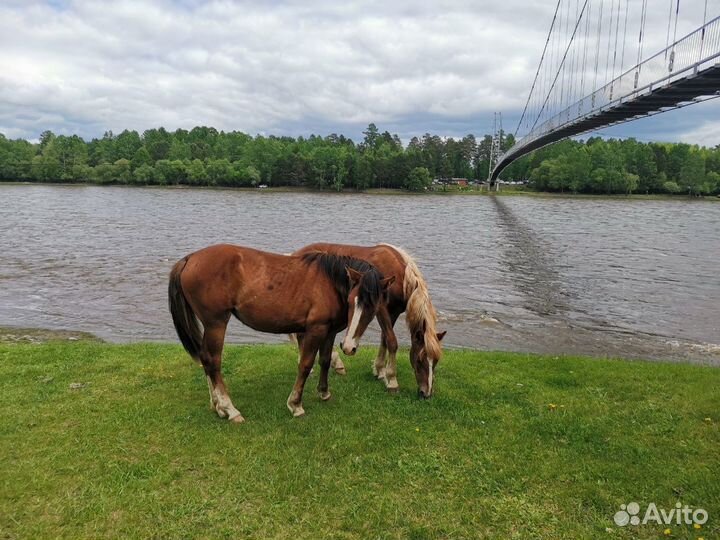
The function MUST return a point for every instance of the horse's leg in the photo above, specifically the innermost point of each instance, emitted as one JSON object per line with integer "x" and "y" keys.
{"x": 310, "y": 345}
{"x": 337, "y": 364}
{"x": 211, "y": 358}
{"x": 387, "y": 322}
{"x": 326, "y": 351}
{"x": 378, "y": 367}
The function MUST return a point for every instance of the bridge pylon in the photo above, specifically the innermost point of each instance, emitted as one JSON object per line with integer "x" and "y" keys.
{"x": 496, "y": 149}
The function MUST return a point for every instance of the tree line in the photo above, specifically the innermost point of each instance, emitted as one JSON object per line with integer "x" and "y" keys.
{"x": 204, "y": 156}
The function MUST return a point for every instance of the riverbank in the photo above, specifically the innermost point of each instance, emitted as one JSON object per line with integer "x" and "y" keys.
{"x": 505, "y": 190}
{"x": 104, "y": 440}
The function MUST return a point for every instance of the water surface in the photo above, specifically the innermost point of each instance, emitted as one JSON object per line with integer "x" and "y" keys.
{"x": 618, "y": 277}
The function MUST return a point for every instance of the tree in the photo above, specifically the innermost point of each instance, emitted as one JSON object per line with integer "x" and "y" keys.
{"x": 145, "y": 174}
{"x": 157, "y": 142}
{"x": 16, "y": 159}
{"x": 179, "y": 151}
{"x": 692, "y": 173}
{"x": 371, "y": 137}
{"x": 62, "y": 155}
{"x": 171, "y": 172}
{"x": 419, "y": 179}
{"x": 122, "y": 172}
{"x": 141, "y": 157}
{"x": 671, "y": 187}
{"x": 196, "y": 173}
{"x": 220, "y": 172}
{"x": 253, "y": 176}
{"x": 127, "y": 144}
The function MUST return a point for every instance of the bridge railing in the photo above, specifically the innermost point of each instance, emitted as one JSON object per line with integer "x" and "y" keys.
{"x": 688, "y": 55}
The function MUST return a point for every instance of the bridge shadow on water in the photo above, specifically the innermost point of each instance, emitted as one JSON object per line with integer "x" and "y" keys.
{"x": 531, "y": 265}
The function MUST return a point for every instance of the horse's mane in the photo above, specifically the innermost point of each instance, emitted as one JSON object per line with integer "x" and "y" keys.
{"x": 334, "y": 267}
{"x": 420, "y": 313}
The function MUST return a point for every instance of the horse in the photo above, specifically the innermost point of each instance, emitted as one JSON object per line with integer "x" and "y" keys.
{"x": 315, "y": 294}
{"x": 408, "y": 294}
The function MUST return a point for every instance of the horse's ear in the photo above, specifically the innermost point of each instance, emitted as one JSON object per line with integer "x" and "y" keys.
{"x": 385, "y": 283}
{"x": 353, "y": 275}
{"x": 441, "y": 335}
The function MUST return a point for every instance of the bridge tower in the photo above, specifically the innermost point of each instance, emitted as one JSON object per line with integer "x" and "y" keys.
{"x": 496, "y": 149}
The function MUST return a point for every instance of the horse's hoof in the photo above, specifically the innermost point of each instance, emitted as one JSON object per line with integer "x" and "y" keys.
{"x": 325, "y": 395}
{"x": 296, "y": 410}
{"x": 237, "y": 419}
{"x": 393, "y": 389}
{"x": 341, "y": 370}
{"x": 220, "y": 412}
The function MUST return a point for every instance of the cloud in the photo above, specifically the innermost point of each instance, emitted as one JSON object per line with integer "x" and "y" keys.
{"x": 283, "y": 67}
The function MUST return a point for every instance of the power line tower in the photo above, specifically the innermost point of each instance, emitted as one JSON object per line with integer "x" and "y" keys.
{"x": 495, "y": 147}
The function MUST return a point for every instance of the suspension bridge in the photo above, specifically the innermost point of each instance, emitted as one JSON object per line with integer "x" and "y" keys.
{"x": 606, "y": 62}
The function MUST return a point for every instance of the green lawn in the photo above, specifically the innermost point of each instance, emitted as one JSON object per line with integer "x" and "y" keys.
{"x": 136, "y": 453}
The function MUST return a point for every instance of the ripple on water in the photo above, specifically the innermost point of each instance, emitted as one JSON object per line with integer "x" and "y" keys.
{"x": 590, "y": 276}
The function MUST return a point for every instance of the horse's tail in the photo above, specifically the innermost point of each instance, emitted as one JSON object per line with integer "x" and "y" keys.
{"x": 420, "y": 313}
{"x": 186, "y": 323}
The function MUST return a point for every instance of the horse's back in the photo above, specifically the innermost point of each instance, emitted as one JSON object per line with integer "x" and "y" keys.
{"x": 384, "y": 257}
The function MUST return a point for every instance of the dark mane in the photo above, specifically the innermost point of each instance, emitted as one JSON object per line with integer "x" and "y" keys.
{"x": 334, "y": 267}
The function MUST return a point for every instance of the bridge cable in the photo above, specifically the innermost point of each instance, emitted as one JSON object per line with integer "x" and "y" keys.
{"x": 597, "y": 50}
{"x": 667, "y": 38}
{"x": 617, "y": 31}
{"x": 573, "y": 64}
{"x": 539, "y": 66}
{"x": 672, "y": 52}
{"x": 607, "y": 57}
{"x": 572, "y": 38}
{"x": 561, "y": 101}
{"x": 640, "y": 42}
{"x": 584, "y": 61}
{"x": 702, "y": 36}
{"x": 622, "y": 56}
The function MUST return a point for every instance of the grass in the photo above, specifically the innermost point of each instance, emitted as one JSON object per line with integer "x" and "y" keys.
{"x": 136, "y": 452}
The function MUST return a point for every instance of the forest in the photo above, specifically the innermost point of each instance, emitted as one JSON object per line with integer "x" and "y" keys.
{"x": 204, "y": 156}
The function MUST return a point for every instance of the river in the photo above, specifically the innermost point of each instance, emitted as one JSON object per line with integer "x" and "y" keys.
{"x": 603, "y": 277}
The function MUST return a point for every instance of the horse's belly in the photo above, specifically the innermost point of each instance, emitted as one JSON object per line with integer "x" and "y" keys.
{"x": 265, "y": 315}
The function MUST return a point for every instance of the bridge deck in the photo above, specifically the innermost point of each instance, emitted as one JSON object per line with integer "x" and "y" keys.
{"x": 680, "y": 74}
{"x": 668, "y": 96}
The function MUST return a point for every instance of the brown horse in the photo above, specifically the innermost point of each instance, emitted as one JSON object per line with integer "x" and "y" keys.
{"x": 315, "y": 294}
{"x": 408, "y": 294}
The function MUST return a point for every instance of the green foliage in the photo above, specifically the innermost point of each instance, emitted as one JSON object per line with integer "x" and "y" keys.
{"x": 141, "y": 157}
{"x": 204, "y": 156}
{"x": 196, "y": 173}
{"x": 146, "y": 174}
{"x": 220, "y": 172}
{"x": 671, "y": 187}
{"x": 419, "y": 179}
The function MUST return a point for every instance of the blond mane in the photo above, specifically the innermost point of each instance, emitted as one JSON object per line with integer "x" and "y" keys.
{"x": 420, "y": 314}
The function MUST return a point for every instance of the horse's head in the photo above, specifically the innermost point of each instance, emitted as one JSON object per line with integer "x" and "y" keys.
{"x": 425, "y": 352}
{"x": 367, "y": 292}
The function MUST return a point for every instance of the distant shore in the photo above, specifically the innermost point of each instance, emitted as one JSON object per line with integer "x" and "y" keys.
{"x": 505, "y": 190}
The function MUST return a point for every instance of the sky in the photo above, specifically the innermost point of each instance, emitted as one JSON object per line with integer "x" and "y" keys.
{"x": 295, "y": 67}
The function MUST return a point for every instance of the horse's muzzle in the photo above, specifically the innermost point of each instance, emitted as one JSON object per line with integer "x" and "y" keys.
{"x": 349, "y": 346}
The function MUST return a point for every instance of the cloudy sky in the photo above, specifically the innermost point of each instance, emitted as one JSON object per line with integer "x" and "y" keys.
{"x": 292, "y": 67}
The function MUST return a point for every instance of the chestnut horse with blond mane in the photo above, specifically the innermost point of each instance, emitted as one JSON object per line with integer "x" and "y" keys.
{"x": 409, "y": 294}
{"x": 315, "y": 294}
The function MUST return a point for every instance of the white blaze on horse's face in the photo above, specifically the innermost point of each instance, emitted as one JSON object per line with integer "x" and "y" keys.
{"x": 430, "y": 376}
{"x": 350, "y": 343}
